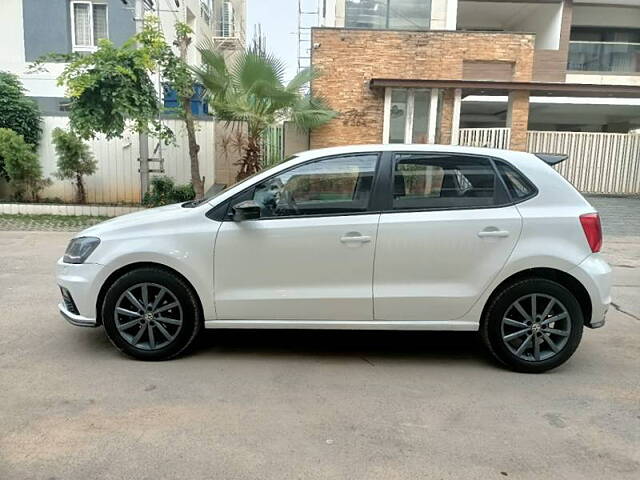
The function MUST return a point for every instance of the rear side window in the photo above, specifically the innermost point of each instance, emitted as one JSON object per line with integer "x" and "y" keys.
{"x": 518, "y": 185}
{"x": 425, "y": 181}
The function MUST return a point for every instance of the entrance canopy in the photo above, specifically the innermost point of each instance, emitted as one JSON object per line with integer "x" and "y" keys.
{"x": 539, "y": 89}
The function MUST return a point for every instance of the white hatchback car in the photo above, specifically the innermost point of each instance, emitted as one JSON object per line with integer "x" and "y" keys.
{"x": 395, "y": 237}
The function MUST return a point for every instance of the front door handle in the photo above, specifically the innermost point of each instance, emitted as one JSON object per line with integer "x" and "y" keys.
{"x": 355, "y": 237}
{"x": 493, "y": 232}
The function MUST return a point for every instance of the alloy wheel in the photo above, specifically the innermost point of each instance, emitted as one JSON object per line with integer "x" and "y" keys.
{"x": 148, "y": 316}
{"x": 536, "y": 327}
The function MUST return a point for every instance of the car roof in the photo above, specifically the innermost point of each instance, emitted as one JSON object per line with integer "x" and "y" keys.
{"x": 396, "y": 147}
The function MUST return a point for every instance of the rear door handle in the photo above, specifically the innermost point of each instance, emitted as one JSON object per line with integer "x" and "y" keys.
{"x": 354, "y": 237}
{"x": 493, "y": 233}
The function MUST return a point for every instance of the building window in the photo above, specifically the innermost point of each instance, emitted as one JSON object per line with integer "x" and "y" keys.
{"x": 206, "y": 6}
{"x": 226, "y": 20}
{"x": 599, "y": 49}
{"x": 88, "y": 25}
{"x": 411, "y": 115}
{"x": 388, "y": 14}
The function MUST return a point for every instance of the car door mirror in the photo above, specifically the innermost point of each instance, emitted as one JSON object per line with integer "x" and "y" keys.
{"x": 247, "y": 210}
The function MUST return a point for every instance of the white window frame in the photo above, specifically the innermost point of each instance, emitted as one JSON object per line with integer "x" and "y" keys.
{"x": 206, "y": 11}
{"x": 408, "y": 125}
{"x": 94, "y": 46}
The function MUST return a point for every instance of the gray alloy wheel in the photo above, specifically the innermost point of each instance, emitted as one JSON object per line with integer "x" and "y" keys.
{"x": 536, "y": 327}
{"x": 148, "y": 316}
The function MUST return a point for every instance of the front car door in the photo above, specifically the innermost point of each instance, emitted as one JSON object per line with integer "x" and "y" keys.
{"x": 310, "y": 254}
{"x": 447, "y": 231}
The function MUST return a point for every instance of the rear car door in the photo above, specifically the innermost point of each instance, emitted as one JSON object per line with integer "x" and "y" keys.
{"x": 447, "y": 230}
{"x": 310, "y": 254}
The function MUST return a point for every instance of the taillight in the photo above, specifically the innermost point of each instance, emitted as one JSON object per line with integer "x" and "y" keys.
{"x": 592, "y": 230}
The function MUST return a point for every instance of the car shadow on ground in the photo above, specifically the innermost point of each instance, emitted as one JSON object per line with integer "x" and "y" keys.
{"x": 341, "y": 343}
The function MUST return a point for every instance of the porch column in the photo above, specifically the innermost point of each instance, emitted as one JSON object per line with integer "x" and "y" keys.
{"x": 444, "y": 135}
{"x": 455, "y": 120}
{"x": 518, "y": 119}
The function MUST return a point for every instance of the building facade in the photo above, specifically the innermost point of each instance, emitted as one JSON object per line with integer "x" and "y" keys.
{"x": 416, "y": 71}
{"x": 30, "y": 29}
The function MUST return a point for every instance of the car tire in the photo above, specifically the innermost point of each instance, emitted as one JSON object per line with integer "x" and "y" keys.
{"x": 532, "y": 343}
{"x": 151, "y": 314}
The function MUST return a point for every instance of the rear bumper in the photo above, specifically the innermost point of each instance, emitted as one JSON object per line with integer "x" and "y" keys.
{"x": 595, "y": 274}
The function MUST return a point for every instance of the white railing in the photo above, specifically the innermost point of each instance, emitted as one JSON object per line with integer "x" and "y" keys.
{"x": 606, "y": 163}
{"x": 485, "y": 137}
{"x": 117, "y": 179}
{"x": 598, "y": 162}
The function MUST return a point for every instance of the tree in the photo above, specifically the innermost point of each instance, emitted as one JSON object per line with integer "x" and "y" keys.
{"x": 251, "y": 91}
{"x": 75, "y": 160}
{"x": 21, "y": 165}
{"x": 18, "y": 112}
{"x": 182, "y": 80}
{"x": 111, "y": 88}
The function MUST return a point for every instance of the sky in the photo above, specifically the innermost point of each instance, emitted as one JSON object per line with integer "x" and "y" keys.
{"x": 279, "y": 19}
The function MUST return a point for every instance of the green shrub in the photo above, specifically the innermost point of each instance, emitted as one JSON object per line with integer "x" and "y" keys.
{"x": 21, "y": 165}
{"x": 74, "y": 160}
{"x": 18, "y": 112}
{"x": 164, "y": 191}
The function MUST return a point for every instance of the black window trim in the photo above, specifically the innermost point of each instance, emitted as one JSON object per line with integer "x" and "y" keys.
{"x": 381, "y": 198}
{"x": 530, "y": 184}
{"x": 247, "y": 193}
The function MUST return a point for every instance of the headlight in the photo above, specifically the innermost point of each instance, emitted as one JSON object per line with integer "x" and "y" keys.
{"x": 79, "y": 249}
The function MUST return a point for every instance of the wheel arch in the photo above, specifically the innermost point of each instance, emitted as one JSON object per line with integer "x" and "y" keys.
{"x": 134, "y": 266}
{"x": 563, "y": 278}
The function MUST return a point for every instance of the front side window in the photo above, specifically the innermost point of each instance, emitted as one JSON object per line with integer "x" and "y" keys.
{"x": 88, "y": 25}
{"x": 388, "y": 14}
{"x": 443, "y": 181}
{"x": 326, "y": 187}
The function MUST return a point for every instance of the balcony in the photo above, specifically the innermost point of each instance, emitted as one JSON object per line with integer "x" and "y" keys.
{"x": 614, "y": 57}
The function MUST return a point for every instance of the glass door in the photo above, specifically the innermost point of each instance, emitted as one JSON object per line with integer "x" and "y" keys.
{"x": 410, "y": 115}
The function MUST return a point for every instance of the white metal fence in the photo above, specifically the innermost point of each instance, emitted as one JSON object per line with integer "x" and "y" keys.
{"x": 272, "y": 146}
{"x": 607, "y": 163}
{"x": 598, "y": 162}
{"x": 117, "y": 179}
{"x": 485, "y": 137}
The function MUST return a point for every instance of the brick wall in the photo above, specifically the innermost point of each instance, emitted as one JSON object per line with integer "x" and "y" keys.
{"x": 518, "y": 119}
{"x": 349, "y": 59}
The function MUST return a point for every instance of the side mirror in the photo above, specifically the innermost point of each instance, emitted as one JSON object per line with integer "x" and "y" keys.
{"x": 247, "y": 210}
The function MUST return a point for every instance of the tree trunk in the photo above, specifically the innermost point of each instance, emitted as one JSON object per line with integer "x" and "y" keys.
{"x": 194, "y": 148}
{"x": 182, "y": 43}
{"x": 81, "y": 194}
{"x": 250, "y": 162}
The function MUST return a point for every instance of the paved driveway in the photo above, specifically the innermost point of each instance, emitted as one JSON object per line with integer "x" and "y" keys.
{"x": 279, "y": 405}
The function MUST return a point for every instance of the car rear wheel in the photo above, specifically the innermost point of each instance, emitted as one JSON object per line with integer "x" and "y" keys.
{"x": 533, "y": 325}
{"x": 151, "y": 314}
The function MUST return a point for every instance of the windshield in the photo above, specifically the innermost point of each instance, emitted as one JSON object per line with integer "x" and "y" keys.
{"x": 214, "y": 194}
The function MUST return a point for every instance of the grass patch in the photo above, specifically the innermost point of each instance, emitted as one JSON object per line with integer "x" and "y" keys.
{"x": 58, "y": 219}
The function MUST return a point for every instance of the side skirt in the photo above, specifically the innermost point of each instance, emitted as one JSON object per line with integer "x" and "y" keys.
{"x": 343, "y": 325}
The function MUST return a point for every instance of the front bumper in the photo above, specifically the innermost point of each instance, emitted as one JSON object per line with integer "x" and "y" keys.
{"x": 77, "y": 320}
{"x": 82, "y": 282}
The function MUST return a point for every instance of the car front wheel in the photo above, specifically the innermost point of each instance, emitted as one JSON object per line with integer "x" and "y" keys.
{"x": 151, "y": 314}
{"x": 533, "y": 325}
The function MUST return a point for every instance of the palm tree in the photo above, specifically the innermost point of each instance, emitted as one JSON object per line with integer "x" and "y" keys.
{"x": 252, "y": 92}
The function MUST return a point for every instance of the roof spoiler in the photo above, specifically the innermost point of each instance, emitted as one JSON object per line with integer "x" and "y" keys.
{"x": 552, "y": 158}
